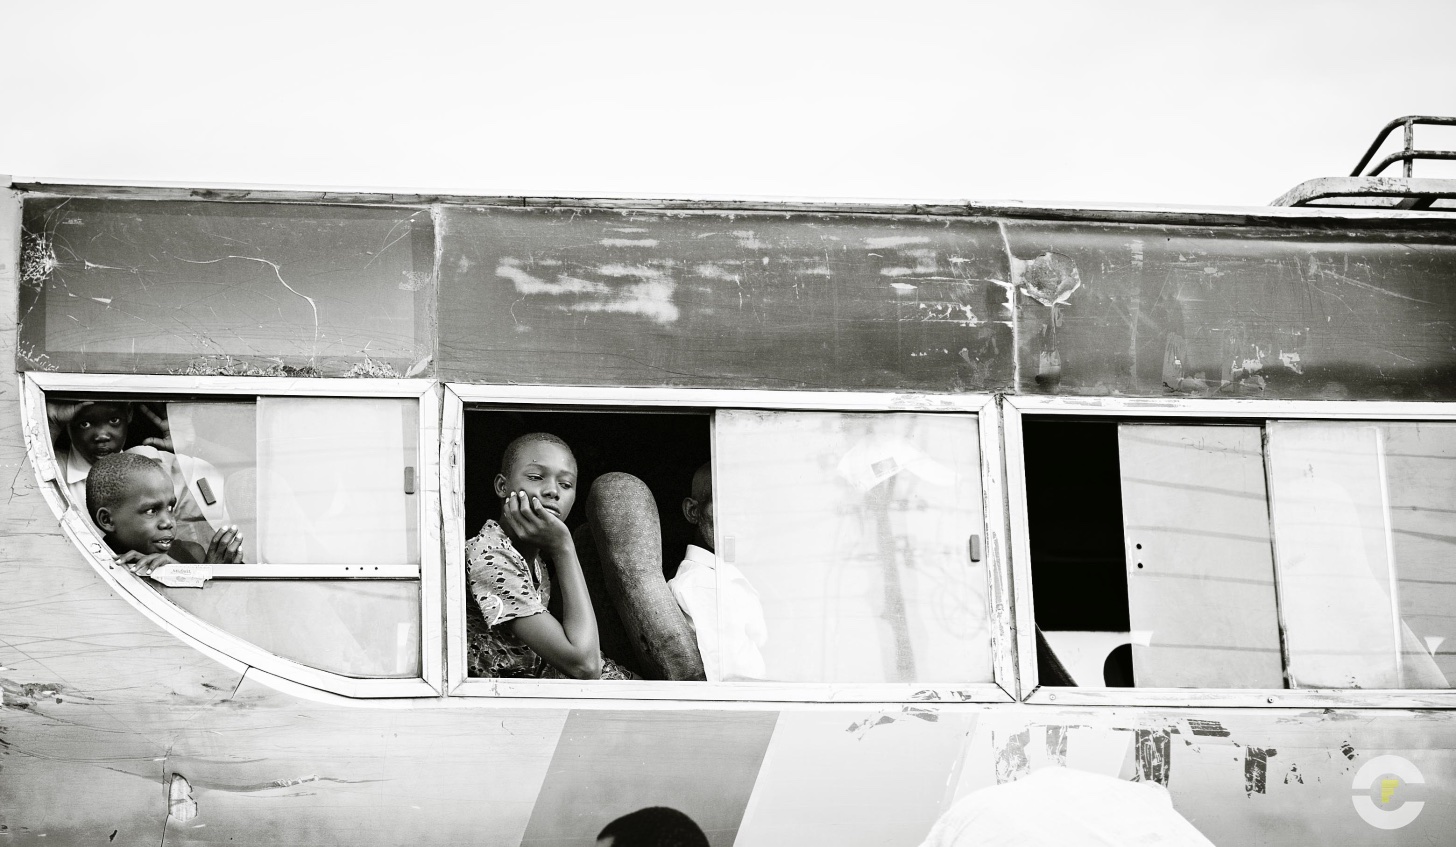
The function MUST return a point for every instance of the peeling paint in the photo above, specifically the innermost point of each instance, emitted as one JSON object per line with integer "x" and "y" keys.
{"x": 864, "y": 726}
{"x": 1348, "y": 750}
{"x": 652, "y": 298}
{"x": 714, "y": 271}
{"x": 887, "y": 241}
{"x": 1256, "y": 768}
{"x": 1152, "y": 752}
{"x": 629, "y": 242}
{"x": 1056, "y": 744}
{"x": 181, "y": 807}
{"x": 1211, "y": 728}
{"x": 1011, "y": 760}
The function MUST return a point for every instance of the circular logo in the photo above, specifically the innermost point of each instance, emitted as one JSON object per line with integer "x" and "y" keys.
{"x": 1384, "y": 792}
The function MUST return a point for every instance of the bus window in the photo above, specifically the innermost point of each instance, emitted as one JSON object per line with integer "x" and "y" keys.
{"x": 1200, "y": 573}
{"x": 837, "y": 546}
{"x": 1193, "y": 545}
{"x": 627, "y": 578}
{"x": 319, "y": 487}
{"x": 1361, "y": 521}
{"x": 855, "y": 531}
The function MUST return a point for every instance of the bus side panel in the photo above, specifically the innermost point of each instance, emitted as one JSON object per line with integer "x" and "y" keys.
{"x": 1270, "y": 312}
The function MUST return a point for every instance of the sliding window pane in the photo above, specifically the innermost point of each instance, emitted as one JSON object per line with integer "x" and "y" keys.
{"x": 854, "y": 531}
{"x": 1364, "y": 561}
{"x": 1420, "y": 468}
{"x": 1200, "y": 573}
{"x": 216, "y": 448}
{"x": 335, "y": 480}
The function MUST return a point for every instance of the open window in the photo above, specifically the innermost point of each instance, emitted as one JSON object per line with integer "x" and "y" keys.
{"x": 848, "y": 551}
{"x": 333, "y": 496}
{"x": 1261, "y": 551}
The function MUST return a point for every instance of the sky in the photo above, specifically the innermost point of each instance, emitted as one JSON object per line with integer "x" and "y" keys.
{"x": 1125, "y": 101}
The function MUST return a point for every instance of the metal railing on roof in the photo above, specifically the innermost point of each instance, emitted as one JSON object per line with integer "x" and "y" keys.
{"x": 1409, "y": 154}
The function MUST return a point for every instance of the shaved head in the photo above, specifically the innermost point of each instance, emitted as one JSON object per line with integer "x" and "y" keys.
{"x": 703, "y": 483}
{"x": 513, "y": 450}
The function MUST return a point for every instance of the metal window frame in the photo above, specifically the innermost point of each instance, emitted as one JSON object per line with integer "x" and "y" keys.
{"x": 568, "y": 398}
{"x": 216, "y": 642}
{"x": 1151, "y": 411}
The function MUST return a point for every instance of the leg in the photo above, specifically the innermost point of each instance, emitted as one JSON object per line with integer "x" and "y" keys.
{"x": 624, "y": 524}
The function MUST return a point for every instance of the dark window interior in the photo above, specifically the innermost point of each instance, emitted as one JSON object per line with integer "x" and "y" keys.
{"x": 1074, "y": 503}
{"x": 661, "y": 449}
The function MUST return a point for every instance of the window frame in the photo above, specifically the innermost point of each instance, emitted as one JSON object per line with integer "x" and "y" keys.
{"x": 597, "y": 398}
{"x": 212, "y": 640}
{"x": 1134, "y": 410}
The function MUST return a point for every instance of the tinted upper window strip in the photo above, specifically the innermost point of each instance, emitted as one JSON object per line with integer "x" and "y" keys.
{"x": 237, "y": 289}
{"x": 719, "y": 300}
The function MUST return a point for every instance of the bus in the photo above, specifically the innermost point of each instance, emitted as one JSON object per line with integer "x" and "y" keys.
{"x": 1164, "y": 494}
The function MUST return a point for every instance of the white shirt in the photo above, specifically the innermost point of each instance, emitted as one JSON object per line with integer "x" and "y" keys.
{"x": 730, "y": 634}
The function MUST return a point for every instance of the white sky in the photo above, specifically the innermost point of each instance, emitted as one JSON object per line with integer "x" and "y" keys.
{"x": 1160, "y": 102}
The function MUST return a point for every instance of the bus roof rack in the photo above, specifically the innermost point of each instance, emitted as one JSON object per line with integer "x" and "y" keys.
{"x": 1368, "y": 189}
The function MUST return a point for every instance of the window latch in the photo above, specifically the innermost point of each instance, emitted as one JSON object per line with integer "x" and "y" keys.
{"x": 409, "y": 479}
{"x": 975, "y": 546}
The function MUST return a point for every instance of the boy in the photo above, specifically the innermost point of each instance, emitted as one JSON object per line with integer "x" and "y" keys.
{"x": 97, "y": 429}
{"x": 504, "y": 562}
{"x": 130, "y": 498}
{"x": 731, "y": 648}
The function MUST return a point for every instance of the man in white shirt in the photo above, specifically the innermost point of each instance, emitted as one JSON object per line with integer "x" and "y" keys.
{"x": 720, "y": 605}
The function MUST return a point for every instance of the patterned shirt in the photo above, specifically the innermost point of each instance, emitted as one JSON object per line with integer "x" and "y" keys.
{"x": 505, "y": 587}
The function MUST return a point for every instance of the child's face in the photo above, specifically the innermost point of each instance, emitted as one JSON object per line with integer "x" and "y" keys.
{"x": 142, "y": 520}
{"x": 98, "y": 430}
{"x": 543, "y": 470}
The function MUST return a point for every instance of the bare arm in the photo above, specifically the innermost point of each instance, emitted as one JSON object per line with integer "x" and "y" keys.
{"x": 570, "y": 645}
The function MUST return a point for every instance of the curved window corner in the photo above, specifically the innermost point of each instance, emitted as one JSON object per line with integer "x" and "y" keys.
{"x": 290, "y": 522}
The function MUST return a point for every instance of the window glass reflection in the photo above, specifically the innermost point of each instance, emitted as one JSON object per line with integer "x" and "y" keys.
{"x": 853, "y": 530}
{"x": 1362, "y": 584}
{"x": 335, "y": 480}
{"x": 363, "y": 628}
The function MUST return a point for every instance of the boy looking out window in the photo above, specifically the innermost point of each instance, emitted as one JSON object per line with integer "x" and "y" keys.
{"x": 131, "y": 500}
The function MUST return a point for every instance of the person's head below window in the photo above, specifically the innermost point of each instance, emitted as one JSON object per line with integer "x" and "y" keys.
{"x": 98, "y": 429}
{"x": 698, "y": 508}
{"x": 132, "y": 502}
{"x": 655, "y": 826}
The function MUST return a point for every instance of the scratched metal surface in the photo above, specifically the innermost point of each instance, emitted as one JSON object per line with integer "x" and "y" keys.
{"x": 136, "y": 286}
{"x": 112, "y": 731}
{"x": 603, "y": 297}
{"x": 1269, "y": 312}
